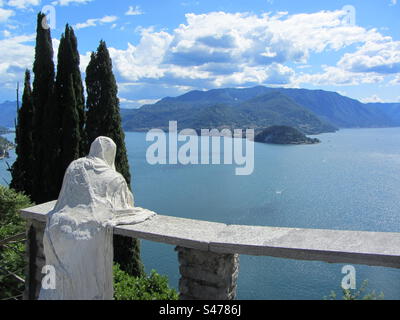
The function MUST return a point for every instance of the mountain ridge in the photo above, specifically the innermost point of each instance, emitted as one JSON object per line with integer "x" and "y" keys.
{"x": 8, "y": 113}
{"x": 332, "y": 109}
{"x": 225, "y": 110}
{"x": 319, "y": 110}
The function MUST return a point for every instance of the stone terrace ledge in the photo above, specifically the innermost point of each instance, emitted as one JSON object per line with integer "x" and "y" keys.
{"x": 208, "y": 252}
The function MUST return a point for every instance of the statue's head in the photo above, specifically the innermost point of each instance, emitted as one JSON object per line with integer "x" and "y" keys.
{"x": 105, "y": 149}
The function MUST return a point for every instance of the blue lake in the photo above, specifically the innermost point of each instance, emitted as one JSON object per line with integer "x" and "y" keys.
{"x": 351, "y": 181}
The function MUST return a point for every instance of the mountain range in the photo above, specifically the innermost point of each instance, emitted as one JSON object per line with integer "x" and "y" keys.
{"x": 8, "y": 114}
{"x": 310, "y": 111}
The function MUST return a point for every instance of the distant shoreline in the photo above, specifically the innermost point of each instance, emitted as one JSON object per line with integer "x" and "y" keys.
{"x": 315, "y": 134}
{"x": 9, "y": 130}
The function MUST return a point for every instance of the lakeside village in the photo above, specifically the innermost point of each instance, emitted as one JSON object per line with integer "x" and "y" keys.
{"x": 5, "y": 145}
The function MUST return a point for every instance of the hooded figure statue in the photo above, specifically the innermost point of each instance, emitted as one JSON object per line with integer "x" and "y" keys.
{"x": 79, "y": 232}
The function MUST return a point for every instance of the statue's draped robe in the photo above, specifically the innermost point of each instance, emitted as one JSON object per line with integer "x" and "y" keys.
{"x": 78, "y": 236}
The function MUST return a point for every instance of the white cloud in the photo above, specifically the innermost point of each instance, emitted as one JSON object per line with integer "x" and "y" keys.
{"x": 108, "y": 19}
{"x": 143, "y": 60}
{"x": 11, "y": 26}
{"x": 95, "y": 22}
{"x": 129, "y": 103}
{"x": 6, "y": 33}
{"x": 134, "y": 11}
{"x": 22, "y": 4}
{"x": 5, "y": 14}
{"x": 273, "y": 75}
{"x": 189, "y": 3}
{"x": 218, "y": 49}
{"x": 333, "y": 75}
{"x": 395, "y": 81}
{"x": 371, "y": 99}
{"x": 221, "y": 49}
{"x": 84, "y": 61}
{"x": 16, "y": 55}
{"x": 68, "y": 2}
{"x": 381, "y": 57}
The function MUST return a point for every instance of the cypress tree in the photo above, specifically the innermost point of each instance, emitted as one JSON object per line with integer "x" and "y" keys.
{"x": 68, "y": 115}
{"x": 103, "y": 115}
{"x": 70, "y": 141}
{"x": 22, "y": 170}
{"x": 42, "y": 93}
{"x": 103, "y": 119}
{"x": 78, "y": 90}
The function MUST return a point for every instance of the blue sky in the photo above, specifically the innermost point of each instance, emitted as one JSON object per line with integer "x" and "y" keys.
{"x": 168, "y": 47}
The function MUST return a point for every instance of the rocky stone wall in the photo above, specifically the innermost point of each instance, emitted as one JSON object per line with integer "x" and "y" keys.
{"x": 206, "y": 275}
{"x": 35, "y": 259}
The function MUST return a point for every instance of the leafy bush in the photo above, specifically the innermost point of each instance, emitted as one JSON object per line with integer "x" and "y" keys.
{"x": 359, "y": 294}
{"x": 11, "y": 254}
{"x": 152, "y": 287}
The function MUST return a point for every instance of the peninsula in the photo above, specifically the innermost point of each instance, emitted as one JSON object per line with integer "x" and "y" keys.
{"x": 284, "y": 135}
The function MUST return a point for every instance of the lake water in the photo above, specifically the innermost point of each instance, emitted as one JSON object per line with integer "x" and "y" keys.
{"x": 5, "y": 176}
{"x": 351, "y": 181}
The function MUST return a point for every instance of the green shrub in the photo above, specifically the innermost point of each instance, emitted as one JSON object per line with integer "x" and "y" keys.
{"x": 11, "y": 254}
{"x": 152, "y": 287}
{"x": 359, "y": 294}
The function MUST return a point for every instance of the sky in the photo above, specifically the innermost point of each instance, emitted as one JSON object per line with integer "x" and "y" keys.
{"x": 165, "y": 48}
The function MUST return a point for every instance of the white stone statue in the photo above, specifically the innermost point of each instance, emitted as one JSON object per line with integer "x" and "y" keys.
{"x": 79, "y": 232}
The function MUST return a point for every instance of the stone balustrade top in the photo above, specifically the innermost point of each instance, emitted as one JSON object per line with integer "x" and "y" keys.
{"x": 333, "y": 246}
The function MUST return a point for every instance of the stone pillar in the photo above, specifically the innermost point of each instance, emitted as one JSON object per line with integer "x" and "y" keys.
{"x": 35, "y": 259}
{"x": 206, "y": 275}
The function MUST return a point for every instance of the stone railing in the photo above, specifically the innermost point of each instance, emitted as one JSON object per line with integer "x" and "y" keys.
{"x": 208, "y": 252}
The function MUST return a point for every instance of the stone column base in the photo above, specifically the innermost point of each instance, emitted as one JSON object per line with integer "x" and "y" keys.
{"x": 206, "y": 275}
{"x": 35, "y": 259}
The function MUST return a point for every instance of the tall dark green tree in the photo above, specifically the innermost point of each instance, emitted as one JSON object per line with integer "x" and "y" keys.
{"x": 103, "y": 115}
{"x": 70, "y": 135}
{"x": 23, "y": 169}
{"x": 103, "y": 119}
{"x": 42, "y": 93}
{"x": 68, "y": 120}
{"x": 78, "y": 89}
